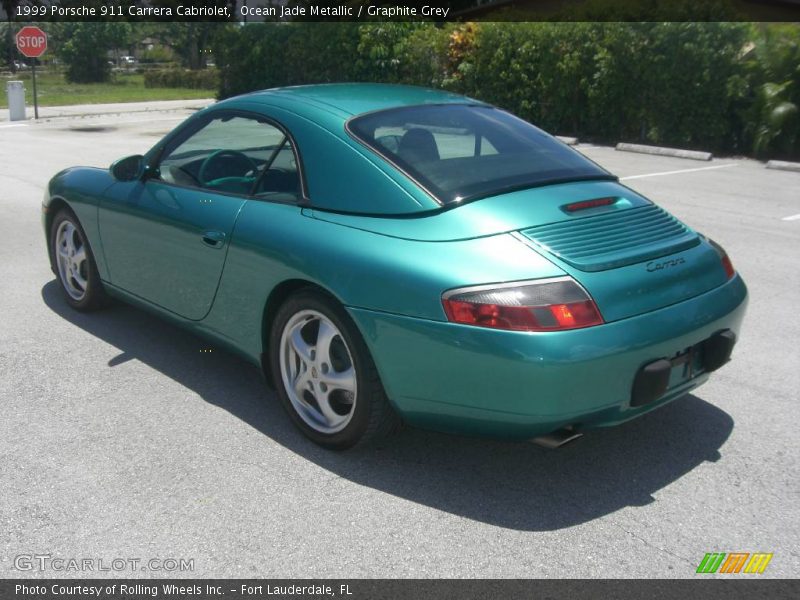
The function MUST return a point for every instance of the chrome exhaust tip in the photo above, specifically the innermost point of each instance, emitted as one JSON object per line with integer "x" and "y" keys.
{"x": 557, "y": 438}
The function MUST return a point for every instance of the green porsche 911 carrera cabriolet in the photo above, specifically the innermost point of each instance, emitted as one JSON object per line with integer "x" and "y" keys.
{"x": 389, "y": 253}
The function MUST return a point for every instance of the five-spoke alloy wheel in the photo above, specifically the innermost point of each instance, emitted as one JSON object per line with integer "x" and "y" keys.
{"x": 73, "y": 263}
{"x": 71, "y": 260}
{"x": 324, "y": 374}
{"x": 317, "y": 371}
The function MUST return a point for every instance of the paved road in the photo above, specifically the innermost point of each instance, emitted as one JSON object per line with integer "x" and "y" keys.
{"x": 119, "y": 439}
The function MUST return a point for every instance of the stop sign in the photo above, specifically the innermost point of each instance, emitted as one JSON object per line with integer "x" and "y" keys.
{"x": 31, "y": 41}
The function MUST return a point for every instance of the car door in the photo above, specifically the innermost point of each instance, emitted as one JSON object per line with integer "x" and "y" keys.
{"x": 165, "y": 237}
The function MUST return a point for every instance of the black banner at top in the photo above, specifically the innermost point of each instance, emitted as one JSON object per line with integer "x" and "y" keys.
{"x": 361, "y": 10}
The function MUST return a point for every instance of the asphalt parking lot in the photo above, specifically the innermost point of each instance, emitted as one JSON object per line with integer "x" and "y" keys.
{"x": 119, "y": 438}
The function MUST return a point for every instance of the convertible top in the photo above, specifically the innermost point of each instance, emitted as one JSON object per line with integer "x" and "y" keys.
{"x": 348, "y": 99}
{"x": 354, "y": 172}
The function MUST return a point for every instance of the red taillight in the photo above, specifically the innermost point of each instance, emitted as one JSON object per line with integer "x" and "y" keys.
{"x": 546, "y": 305}
{"x": 728, "y": 265}
{"x": 724, "y": 258}
{"x": 489, "y": 315}
{"x": 594, "y": 203}
{"x": 576, "y": 314}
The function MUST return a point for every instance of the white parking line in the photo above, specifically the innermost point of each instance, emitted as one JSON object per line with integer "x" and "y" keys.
{"x": 13, "y": 125}
{"x": 725, "y": 166}
{"x": 791, "y": 218}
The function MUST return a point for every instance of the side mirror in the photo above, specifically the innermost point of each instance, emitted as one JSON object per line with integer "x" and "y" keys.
{"x": 128, "y": 168}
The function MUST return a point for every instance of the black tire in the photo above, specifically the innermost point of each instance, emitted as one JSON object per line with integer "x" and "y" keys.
{"x": 371, "y": 415}
{"x": 94, "y": 295}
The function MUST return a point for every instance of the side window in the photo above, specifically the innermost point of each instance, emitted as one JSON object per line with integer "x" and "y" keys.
{"x": 281, "y": 179}
{"x": 416, "y": 142}
{"x": 233, "y": 154}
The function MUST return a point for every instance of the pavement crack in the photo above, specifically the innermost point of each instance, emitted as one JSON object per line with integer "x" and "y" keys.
{"x": 652, "y": 545}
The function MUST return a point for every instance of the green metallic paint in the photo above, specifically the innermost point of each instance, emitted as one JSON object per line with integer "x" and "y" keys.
{"x": 347, "y": 176}
{"x": 361, "y": 268}
{"x": 153, "y": 241}
{"x": 355, "y": 98}
{"x": 632, "y": 290}
{"x": 387, "y": 251}
{"x": 525, "y": 384}
{"x": 80, "y": 190}
{"x": 499, "y": 214}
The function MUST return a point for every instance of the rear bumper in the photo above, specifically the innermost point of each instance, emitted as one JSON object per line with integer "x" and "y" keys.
{"x": 654, "y": 380}
{"x": 514, "y": 384}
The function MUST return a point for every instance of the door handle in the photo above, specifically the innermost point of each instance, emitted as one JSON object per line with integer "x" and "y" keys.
{"x": 215, "y": 239}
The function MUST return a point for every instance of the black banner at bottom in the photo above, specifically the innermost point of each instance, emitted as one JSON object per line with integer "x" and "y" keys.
{"x": 387, "y": 589}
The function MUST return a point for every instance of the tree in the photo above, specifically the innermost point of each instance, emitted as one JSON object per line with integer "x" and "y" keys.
{"x": 191, "y": 40}
{"x": 9, "y": 51}
{"x": 193, "y": 37}
{"x": 9, "y": 6}
{"x": 84, "y": 47}
{"x": 775, "y": 114}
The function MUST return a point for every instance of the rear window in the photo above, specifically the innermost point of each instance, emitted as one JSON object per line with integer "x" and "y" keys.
{"x": 463, "y": 152}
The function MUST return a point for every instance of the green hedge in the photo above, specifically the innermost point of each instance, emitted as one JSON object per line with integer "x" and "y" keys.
{"x": 726, "y": 87}
{"x": 205, "y": 79}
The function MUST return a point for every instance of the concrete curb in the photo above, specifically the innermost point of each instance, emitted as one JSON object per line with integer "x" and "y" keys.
{"x": 782, "y": 165}
{"x": 106, "y": 109}
{"x": 569, "y": 141}
{"x": 661, "y": 151}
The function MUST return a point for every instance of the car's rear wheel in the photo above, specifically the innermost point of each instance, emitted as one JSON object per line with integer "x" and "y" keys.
{"x": 324, "y": 374}
{"x": 74, "y": 263}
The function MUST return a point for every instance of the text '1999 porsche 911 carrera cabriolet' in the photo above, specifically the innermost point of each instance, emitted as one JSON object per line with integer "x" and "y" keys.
{"x": 388, "y": 253}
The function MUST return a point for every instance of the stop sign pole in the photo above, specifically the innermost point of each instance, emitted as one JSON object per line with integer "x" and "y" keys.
{"x": 35, "y": 97}
{"x": 32, "y": 42}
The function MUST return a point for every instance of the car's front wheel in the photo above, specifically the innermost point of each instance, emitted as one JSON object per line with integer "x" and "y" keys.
{"x": 74, "y": 263}
{"x": 324, "y": 374}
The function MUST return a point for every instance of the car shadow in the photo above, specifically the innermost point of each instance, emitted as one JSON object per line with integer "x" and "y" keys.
{"x": 508, "y": 484}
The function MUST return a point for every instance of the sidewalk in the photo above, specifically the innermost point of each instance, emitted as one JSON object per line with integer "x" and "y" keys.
{"x": 123, "y": 108}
